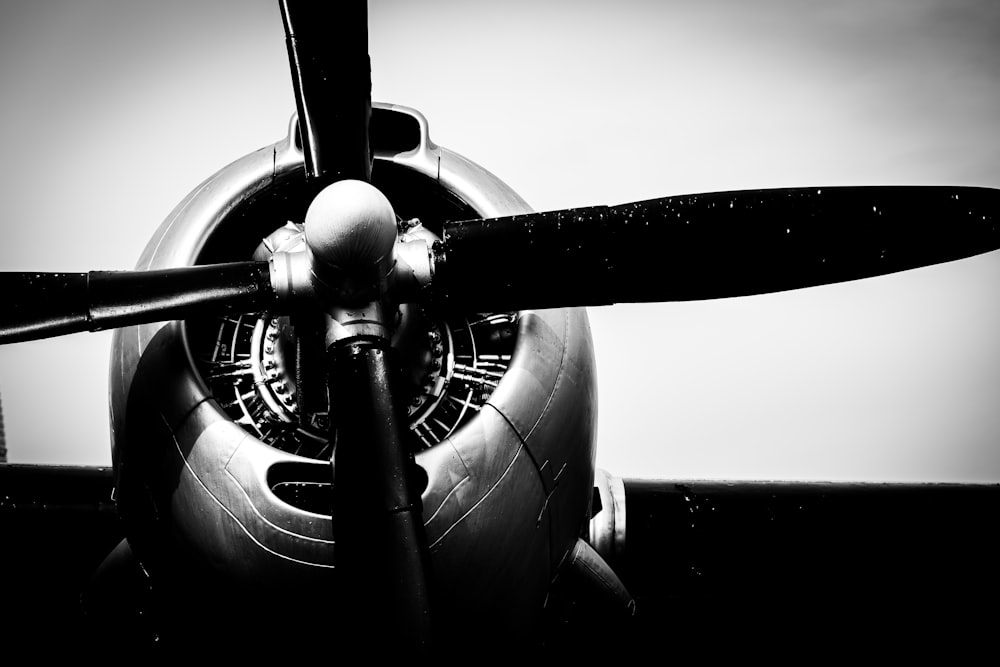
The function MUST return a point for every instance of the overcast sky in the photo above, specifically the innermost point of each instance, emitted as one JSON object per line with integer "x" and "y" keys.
{"x": 112, "y": 111}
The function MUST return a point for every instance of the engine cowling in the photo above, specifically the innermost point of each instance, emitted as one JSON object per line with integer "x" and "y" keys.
{"x": 215, "y": 503}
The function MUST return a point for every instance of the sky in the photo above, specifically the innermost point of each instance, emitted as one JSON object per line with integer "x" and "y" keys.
{"x": 113, "y": 111}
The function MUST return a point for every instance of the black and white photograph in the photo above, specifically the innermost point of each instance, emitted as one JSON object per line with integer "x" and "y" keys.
{"x": 499, "y": 329}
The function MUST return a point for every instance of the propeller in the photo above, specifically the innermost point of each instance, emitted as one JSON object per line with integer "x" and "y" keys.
{"x": 683, "y": 248}
{"x": 690, "y": 247}
{"x": 381, "y": 554}
{"x": 42, "y": 305}
{"x": 709, "y": 246}
{"x": 355, "y": 271}
{"x": 331, "y": 76}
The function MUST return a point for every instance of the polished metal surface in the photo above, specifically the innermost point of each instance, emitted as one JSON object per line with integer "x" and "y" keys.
{"x": 507, "y": 494}
{"x": 350, "y": 234}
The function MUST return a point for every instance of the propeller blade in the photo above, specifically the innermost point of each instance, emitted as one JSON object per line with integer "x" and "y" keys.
{"x": 53, "y": 304}
{"x": 708, "y": 246}
{"x": 331, "y": 75}
{"x": 378, "y": 518}
{"x": 381, "y": 554}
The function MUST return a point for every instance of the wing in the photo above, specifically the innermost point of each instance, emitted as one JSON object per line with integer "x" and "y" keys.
{"x": 58, "y": 523}
{"x": 713, "y": 565}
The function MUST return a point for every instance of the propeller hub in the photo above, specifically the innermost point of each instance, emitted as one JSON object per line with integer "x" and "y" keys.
{"x": 350, "y": 232}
